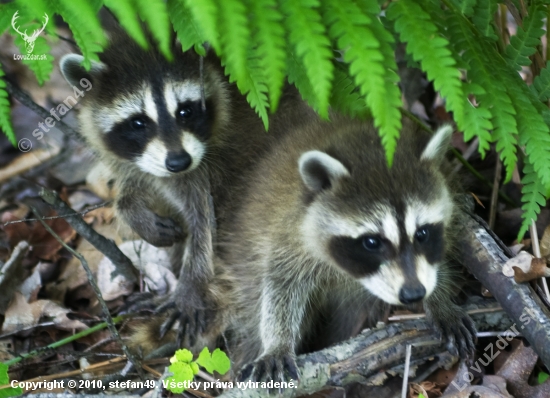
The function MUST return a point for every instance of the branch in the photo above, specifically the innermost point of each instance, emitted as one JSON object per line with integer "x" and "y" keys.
{"x": 26, "y": 100}
{"x": 11, "y": 274}
{"x": 106, "y": 313}
{"x": 123, "y": 265}
{"x": 483, "y": 255}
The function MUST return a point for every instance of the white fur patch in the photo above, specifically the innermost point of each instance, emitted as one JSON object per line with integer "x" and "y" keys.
{"x": 194, "y": 148}
{"x": 153, "y": 159}
{"x": 178, "y": 92}
{"x": 150, "y": 106}
{"x": 390, "y": 230}
{"x": 438, "y": 143}
{"x": 332, "y": 167}
{"x": 427, "y": 274}
{"x": 419, "y": 213}
{"x": 386, "y": 283}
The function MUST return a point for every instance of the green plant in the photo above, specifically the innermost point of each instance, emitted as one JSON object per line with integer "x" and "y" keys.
{"x": 184, "y": 368}
{"x": 5, "y": 379}
{"x": 458, "y": 43}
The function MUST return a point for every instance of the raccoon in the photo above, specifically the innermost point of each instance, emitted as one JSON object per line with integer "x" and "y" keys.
{"x": 325, "y": 231}
{"x": 145, "y": 118}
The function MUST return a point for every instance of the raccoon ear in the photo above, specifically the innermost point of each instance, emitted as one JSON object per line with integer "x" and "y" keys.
{"x": 438, "y": 144}
{"x": 320, "y": 171}
{"x": 73, "y": 71}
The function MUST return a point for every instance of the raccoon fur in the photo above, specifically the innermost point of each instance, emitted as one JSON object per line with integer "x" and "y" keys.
{"x": 325, "y": 232}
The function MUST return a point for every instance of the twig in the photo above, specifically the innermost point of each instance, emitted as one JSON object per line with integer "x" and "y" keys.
{"x": 104, "y": 307}
{"x": 26, "y": 100}
{"x": 494, "y": 194}
{"x": 25, "y": 162}
{"x": 536, "y": 252}
{"x": 123, "y": 265}
{"x": 82, "y": 213}
{"x": 11, "y": 275}
{"x": 404, "y": 390}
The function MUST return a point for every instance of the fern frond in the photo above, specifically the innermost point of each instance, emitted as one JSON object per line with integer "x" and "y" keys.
{"x": 87, "y": 31}
{"x": 5, "y": 113}
{"x": 345, "y": 97}
{"x": 541, "y": 84}
{"x": 311, "y": 46}
{"x": 125, "y": 12}
{"x": 533, "y": 199}
{"x": 466, "y": 7}
{"x": 416, "y": 28}
{"x": 189, "y": 33}
{"x": 205, "y": 14}
{"x": 298, "y": 76}
{"x": 524, "y": 43}
{"x": 235, "y": 40}
{"x": 155, "y": 15}
{"x": 482, "y": 17}
{"x": 477, "y": 120}
{"x": 268, "y": 35}
{"x": 350, "y": 27}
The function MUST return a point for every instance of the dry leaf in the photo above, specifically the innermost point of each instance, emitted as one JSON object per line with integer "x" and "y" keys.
{"x": 537, "y": 269}
{"x": 522, "y": 260}
{"x": 545, "y": 244}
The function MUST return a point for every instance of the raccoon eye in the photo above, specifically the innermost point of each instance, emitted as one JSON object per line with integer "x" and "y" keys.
{"x": 372, "y": 243}
{"x": 138, "y": 123}
{"x": 185, "y": 112}
{"x": 422, "y": 235}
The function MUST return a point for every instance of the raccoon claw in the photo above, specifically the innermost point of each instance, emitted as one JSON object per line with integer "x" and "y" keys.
{"x": 270, "y": 367}
{"x": 139, "y": 302}
{"x": 459, "y": 332}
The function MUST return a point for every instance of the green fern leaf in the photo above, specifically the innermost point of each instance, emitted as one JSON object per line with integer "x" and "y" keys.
{"x": 298, "y": 76}
{"x": 425, "y": 45}
{"x": 311, "y": 46}
{"x": 269, "y": 38}
{"x": 532, "y": 197}
{"x": 205, "y": 14}
{"x": 5, "y": 113}
{"x": 524, "y": 43}
{"x": 125, "y": 12}
{"x": 155, "y": 15}
{"x": 189, "y": 33}
{"x": 466, "y": 7}
{"x": 482, "y": 18}
{"x": 235, "y": 40}
{"x": 87, "y": 31}
{"x": 541, "y": 84}
{"x": 477, "y": 120}
{"x": 350, "y": 27}
{"x": 345, "y": 97}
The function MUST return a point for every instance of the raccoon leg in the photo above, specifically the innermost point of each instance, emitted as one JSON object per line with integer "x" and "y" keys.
{"x": 452, "y": 323}
{"x": 192, "y": 300}
{"x": 284, "y": 302}
{"x": 131, "y": 204}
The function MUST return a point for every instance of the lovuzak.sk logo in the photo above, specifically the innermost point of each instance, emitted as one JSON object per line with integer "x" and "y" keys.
{"x": 29, "y": 40}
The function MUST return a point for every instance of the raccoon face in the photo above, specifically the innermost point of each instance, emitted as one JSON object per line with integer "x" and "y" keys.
{"x": 157, "y": 124}
{"x": 392, "y": 243}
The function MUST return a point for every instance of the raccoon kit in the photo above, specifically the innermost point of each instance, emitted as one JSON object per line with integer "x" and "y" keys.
{"x": 145, "y": 118}
{"x": 325, "y": 230}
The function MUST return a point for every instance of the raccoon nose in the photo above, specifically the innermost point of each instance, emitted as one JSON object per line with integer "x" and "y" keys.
{"x": 408, "y": 295}
{"x": 176, "y": 163}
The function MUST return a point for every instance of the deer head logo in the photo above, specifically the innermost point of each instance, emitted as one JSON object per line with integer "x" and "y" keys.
{"x": 29, "y": 40}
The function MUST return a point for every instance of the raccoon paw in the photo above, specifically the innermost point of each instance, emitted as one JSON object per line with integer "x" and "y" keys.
{"x": 156, "y": 230}
{"x": 276, "y": 367}
{"x": 193, "y": 312}
{"x": 140, "y": 302}
{"x": 457, "y": 329}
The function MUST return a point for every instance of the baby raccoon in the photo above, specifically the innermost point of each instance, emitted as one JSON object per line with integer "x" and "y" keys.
{"x": 145, "y": 118}
{"x": 326, "y": 230}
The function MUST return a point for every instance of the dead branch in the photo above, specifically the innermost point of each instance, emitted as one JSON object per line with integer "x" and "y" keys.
{"x": 11, "y": 275}
{"x": 123, "y": 265}
{"x": 131, "y": 358}
{"x": 483, "y": 255}
{"x": 363, "y": 357}
{"x": 26, "y": 100}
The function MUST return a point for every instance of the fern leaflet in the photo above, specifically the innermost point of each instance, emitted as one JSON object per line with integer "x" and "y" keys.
{"x": 532, "y": 197}
{"x": 125, "y": 13}
{"x": 154, "y": 13}
{"x": 5, "y": 115}
{"x": 524, "y": 43}
{"x": 205, "y": 14}
{"x": 189, "y": 33}
{"x": 541, "y": 84}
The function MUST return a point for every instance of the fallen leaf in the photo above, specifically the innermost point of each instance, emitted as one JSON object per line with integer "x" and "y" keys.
{"x": 522, "y": 260}
{"x": 537, "y": 269}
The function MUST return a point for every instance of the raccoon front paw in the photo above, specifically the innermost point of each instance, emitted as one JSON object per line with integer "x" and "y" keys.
{"x": 192, "y": 310}
{"x": 271, "y": 367}
{"x": 457, "y": 329}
